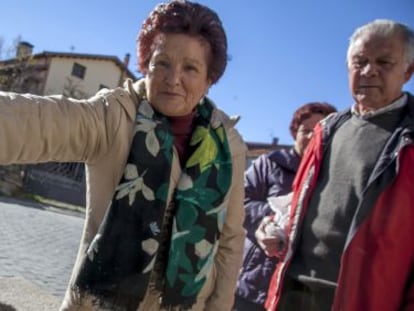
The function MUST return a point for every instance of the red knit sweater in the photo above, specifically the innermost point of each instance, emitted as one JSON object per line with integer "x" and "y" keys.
{"x": 182, "y": 128}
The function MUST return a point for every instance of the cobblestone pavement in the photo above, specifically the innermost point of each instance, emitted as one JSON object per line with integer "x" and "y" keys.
{"x": 38, "y": 244}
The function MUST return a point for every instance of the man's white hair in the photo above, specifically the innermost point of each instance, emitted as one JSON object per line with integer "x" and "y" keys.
{"x": 386, "y": 28}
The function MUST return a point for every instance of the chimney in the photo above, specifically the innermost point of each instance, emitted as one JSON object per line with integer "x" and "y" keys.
{"x": 124, "y": 69}
{"x": 24, "y": 49}
{"x": 126, "y": 60}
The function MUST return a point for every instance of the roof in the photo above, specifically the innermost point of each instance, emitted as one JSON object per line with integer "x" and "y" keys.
{"x": 273, "y": 145}
{"x": 47, "y": 54}
{"x": 257, "y": 148}
{"x": 25, "y": 43}
{"x": 112, "y": 58}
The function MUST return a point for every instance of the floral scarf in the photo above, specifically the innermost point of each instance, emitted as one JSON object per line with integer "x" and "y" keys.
{"x": 130, "y": 244}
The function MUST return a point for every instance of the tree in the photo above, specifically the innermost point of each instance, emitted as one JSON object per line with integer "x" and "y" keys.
{"x": 19, "y": 73}
{"x": 1, "y": 47}
{"x": 73, "y": 89}
{"x": 10, "y": 52}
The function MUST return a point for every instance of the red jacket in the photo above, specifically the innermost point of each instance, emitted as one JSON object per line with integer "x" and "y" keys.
{"x": 377, "y": 265}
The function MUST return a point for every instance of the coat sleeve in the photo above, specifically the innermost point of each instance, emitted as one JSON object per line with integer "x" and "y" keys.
{"x": 228, "y": 259}
{"x": 377, "y": 265}
{"x": 37, "y": 129}
{"x": 256, "y": 188}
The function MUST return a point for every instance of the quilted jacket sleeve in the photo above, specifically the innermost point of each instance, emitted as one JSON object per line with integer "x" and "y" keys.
{"x": 256, "y": 193}
{"x": 229, "y": 256}
{"x": 55, "y": 128}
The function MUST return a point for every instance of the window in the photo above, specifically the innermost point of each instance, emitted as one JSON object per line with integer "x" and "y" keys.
{"x": 78, "y": 70}
{"x": 102, "y": 86}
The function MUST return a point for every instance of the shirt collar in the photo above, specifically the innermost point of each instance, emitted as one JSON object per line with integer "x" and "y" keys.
{"x": 398, "y": 103}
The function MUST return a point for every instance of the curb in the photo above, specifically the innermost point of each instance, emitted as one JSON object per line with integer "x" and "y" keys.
{"x": 45, "y": 204}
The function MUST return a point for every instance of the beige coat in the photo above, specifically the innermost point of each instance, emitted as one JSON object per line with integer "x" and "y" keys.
{"x": 99, "y": 132}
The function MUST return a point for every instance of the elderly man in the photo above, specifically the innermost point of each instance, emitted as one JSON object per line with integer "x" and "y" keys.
{"x": 352, "y": 217}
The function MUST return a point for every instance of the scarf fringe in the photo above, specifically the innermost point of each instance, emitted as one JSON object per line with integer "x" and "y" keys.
{"x": 113, "y": 302}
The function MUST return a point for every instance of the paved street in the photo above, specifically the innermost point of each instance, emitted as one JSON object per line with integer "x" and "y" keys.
{"x": 38, "y": 244}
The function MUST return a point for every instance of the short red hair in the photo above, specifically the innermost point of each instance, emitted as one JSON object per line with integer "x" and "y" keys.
{"x": 305, "y": 111}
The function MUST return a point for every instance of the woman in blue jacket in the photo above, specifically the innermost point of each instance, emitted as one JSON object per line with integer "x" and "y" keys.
{"x": 270, "y": 175}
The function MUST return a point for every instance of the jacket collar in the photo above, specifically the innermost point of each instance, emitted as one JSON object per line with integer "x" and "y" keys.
{"x": 335, "y": 120}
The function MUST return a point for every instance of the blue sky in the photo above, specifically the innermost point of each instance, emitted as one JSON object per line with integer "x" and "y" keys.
{"x": 283, "y": 53}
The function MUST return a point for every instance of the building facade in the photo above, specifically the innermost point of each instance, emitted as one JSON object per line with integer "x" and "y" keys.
{"x": 72, "y": 74}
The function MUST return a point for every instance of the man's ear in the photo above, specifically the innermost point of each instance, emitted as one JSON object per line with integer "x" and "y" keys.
{"x": 409, "y": 72}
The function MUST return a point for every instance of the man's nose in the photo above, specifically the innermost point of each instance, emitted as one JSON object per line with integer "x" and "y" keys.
{"x": 369, "y": 69}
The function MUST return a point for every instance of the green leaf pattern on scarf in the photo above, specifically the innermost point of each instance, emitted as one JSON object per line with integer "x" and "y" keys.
{"x": 134, "y": 184}
{"x": 199, "y": 198}
{"x": 206, "y": 151}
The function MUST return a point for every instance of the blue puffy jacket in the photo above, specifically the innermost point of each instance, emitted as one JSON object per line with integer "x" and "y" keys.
{"x": 269, "y": 175}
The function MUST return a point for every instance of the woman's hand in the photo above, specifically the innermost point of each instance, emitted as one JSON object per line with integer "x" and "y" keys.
{"x": 270, "y": 237}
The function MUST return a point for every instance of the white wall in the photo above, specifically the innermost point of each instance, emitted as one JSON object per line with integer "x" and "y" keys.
{"x": 98, "y": 72}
